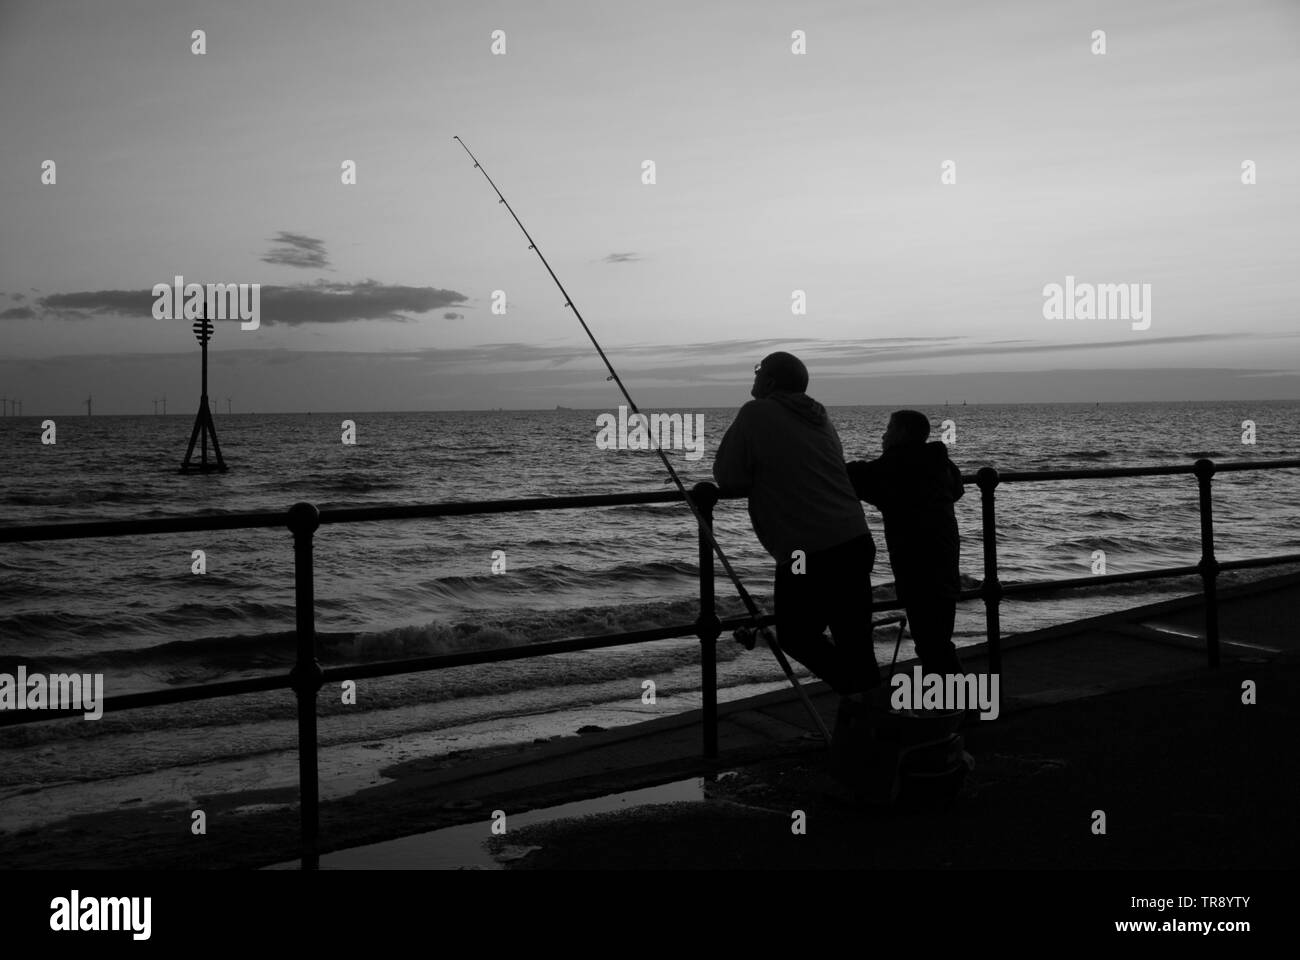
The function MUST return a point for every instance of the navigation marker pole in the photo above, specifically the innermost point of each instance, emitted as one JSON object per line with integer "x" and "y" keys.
{"x": 695, "y": 510}
{"x": 203, "y": 425}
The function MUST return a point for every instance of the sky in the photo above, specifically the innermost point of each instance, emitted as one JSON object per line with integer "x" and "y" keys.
{"x": 775, "y": 171}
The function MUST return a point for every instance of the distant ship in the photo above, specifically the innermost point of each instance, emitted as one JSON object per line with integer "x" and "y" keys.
{"x": 558, "y": 407}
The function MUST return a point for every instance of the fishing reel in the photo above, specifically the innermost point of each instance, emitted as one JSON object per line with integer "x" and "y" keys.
{"x": 749, "y": 636}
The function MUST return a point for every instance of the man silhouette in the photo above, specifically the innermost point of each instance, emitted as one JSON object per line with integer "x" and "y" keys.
{"x": 783, "y": 451}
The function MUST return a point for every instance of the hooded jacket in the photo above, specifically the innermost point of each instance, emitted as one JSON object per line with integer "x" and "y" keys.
{"x": 915, "y": 486}
{"x": 783, "y": 452}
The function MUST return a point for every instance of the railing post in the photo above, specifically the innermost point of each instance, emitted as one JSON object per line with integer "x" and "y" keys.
{"x": 707, "y": 625}
{"x": 1209, "y": 565}
{"x": 991, "y": 591}
{"x": 306, "y": 677}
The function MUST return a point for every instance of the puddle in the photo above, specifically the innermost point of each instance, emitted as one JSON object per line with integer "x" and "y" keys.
{"x": 252, "y": 808}
{"x": 462, "y": 847}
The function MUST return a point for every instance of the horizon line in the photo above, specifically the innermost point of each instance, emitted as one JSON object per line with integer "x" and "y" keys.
{"x": 563, "y": 409}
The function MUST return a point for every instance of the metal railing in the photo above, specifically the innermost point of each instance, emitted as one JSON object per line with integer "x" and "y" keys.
{"x": 307, "y": 676}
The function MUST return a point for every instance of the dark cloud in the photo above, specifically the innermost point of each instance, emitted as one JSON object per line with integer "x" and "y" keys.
{"x": 877, "y": 352}
{"x": 320, "y": 302}
{"x": 891, "y": 349}
{"x": 621, "y": 258}
{"x": 88, "y": 303}
{"x": 296, "y": 250}
{"x": 342, "y": 302}
{"x": 506, "y": 353}
{"x": 17, "y": 296}
{"x": 17, "y": 313}
{"x": 449, "y": 315}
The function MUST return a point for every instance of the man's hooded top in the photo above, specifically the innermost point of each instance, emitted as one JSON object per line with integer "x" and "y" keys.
{"x": 915, "y": 486}
{"x": 784, "y": 452}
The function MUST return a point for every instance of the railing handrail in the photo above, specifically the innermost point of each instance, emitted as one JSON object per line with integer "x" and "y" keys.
{"x": 247, "y": 521}
{"x": 79, "y": 530}
{"x": 1101, "y": 473}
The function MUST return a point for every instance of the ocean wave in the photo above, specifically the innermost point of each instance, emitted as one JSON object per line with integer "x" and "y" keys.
{"x": 1136, "y": 588}
{"x": 225, "y": 656}
{"x": 1108, "y": 515}
{"x": 1172, "y": 545}
{"x": 207, "y": 656}
{"x": 343, "y": 482}
{"x": 517, "y": 628}
{"x": 77, "y": 497}
{"x": 58, "y": 624}
{"x": 649, "y": 509}
{"x": 1083, "y": 455}
{"x": 549, "y": 577}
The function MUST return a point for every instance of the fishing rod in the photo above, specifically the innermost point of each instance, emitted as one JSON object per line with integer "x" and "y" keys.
{"x": 704, "y": 526}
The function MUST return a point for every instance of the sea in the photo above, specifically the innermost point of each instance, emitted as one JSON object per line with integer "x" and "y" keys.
{"x": 136, "y": 610}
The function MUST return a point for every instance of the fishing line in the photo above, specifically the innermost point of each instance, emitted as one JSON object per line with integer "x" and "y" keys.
{"x": 705, "y": 529}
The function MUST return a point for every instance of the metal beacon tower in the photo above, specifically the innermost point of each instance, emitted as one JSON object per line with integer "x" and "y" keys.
{"x": 203, "y": 425}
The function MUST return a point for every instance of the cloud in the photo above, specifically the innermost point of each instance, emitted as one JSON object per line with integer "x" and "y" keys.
{"x": 621, "y": 258}
{"x": 297, "y": 250}
{"x": 702, "y": 366}
{"x": 866, "y": 351}
{"x": 891, "y": 349}
{"x": 343, "y": 302}
{"x": 87, "y": 303}
{"x": 17, "y": 313}
{"x": 449, "y": 315}
{"x": 320, "y": 302}
{"x": 17, "y": 296}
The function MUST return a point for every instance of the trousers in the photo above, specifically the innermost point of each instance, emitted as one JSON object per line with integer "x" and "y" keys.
{"x": 930, "y": 619}
{"x": 834, "y": 590}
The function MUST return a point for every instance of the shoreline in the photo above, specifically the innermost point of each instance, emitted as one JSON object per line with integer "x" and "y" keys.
{"x": 346, "y": 768}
